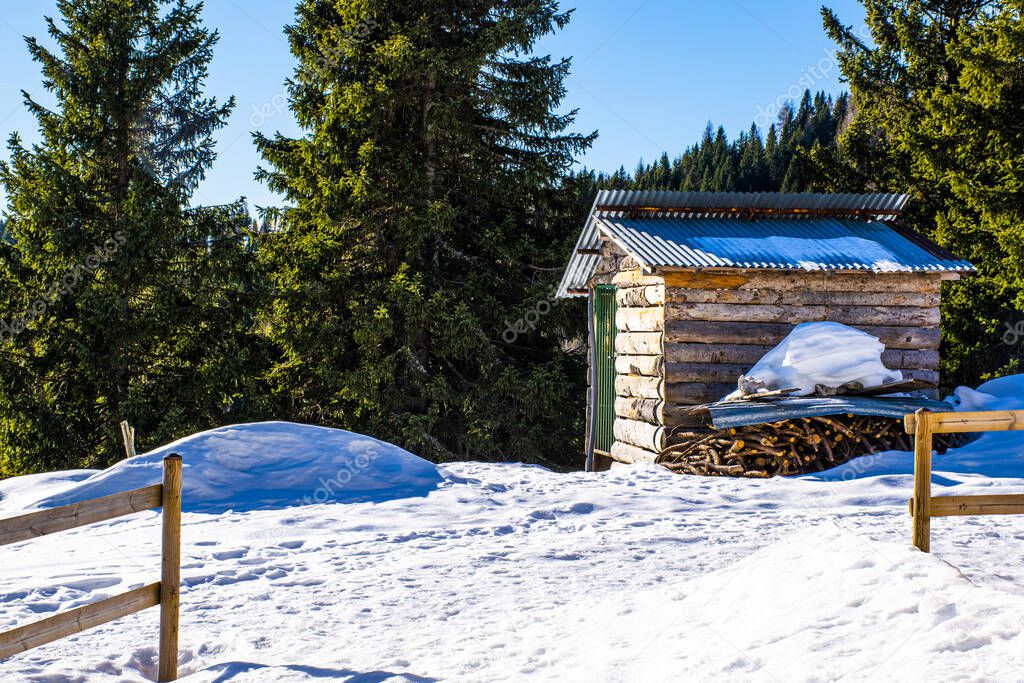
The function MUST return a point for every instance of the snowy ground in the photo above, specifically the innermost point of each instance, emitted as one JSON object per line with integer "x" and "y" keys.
{"x": 482, "y": 572}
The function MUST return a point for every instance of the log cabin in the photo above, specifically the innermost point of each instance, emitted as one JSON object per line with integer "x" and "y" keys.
{"x": 687, "y": 290}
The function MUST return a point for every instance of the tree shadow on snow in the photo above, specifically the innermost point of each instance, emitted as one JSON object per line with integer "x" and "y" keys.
{"x": 229, "y": 670}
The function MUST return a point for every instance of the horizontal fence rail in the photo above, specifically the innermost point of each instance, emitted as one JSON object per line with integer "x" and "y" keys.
{"x": 923, "y": 506}
{"x": 36, "y": 524}
{"x": 164, "y": 593}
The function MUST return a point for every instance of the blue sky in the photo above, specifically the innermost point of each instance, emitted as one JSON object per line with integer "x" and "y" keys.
{"x": 648, "y": 74}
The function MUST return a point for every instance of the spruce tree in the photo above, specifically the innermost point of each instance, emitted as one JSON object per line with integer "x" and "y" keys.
{"x": 424, "y": 232}
{"x": 119, "y": 302}
{"x": 971, "y": 143}
{"x": 937, "y": 94}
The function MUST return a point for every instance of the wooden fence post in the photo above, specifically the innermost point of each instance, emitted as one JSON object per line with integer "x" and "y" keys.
{"x": 922, "y": 480}
{"x": 170, "y": 576}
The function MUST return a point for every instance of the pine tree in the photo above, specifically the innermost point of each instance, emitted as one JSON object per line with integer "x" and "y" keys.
{"x": 119, "y": 301}
{"x": 425, "y": 232}
{"x": 937, "y": 96}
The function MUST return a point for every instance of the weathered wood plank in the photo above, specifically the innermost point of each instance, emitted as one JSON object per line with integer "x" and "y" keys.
{"x": 53, "y": 520}
{"x": 770, "y": 334}
{"x": 77, "y": 620}
{"x": 921, "y": 504}
{"x": 804, "y": 281}
{"x": 170, "y": 570}
{"x": 636, "y": 278}
{"x": 635, "y": 386}
{"x": 953, "y": 423}
{"x": 684, "y": 417}
{"x": 650, "y": 319}
{"x": 639, "y": 343}
{"x": 704, "y": 280}
{"x": 802, "y": 297}
{"x": 907, "y": 359}
{"x": 648, "y": 366}
{"x": 694, "y": 331}
{"x": 954, "y": 506}
{"x": 647, "y": 410}
{"x": 848, "y": 315}
{"x": 713, "y": 373}
{"x": 898, "y": 359}
{"x": 923, "y": 375}
{"x": 640, "y": 434}
{"x": 714, "y": 353}
{"x": 729, "y": 373}
{"x": 631, "y": 455}
{"x": 647, "y": 295}
{"x": 694, "y": 393}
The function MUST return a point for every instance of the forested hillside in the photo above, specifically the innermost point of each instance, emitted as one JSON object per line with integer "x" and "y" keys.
{"x": 778, "y": 159}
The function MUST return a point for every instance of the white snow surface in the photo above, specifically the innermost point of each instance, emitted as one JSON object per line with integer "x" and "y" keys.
{"x": 825, "y": 353}
{"x": 270, "y": 464}
{"x": 485, "y": 572}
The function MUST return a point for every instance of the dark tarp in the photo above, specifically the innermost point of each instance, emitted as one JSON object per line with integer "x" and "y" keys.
{"x": 728, "y": 414}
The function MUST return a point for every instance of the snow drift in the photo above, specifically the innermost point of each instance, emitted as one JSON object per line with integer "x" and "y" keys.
{"x": 256, "y": 466}
{"x": 825, "y": 354}
{"x": 490, "y": 577}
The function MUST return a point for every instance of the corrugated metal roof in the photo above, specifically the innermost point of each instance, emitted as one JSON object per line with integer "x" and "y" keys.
{"x": 773, "y": 243}
{"x": 581, "y": 266}
{"x": 767, "y": 201}
{"x": 725, "y": 230}
{"x": 729, "y": 414}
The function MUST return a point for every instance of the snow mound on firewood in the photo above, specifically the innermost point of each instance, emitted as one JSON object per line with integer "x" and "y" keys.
{"x": 819, "y": 354}
{"x": 258, "y": 466}
{"x": 1003, "y": 393}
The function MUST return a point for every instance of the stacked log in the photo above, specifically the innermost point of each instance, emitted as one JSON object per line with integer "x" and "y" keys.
{"x": 613, "y": 261}
{"x": 640, "y": 373}
{"x": 790, "y": 447}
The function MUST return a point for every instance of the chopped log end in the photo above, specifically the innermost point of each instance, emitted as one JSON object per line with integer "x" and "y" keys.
{"x": 787, "y": 448}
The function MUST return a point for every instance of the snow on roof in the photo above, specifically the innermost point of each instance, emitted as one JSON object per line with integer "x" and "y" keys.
{"x": 764, "y": 231}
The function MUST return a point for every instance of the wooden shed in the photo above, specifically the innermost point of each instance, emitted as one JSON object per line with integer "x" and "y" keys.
{"x": 688, "y": 290}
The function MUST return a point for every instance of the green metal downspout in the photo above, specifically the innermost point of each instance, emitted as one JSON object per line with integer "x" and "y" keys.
{"x": 604, "y": 331}
{"x": 592, "y": 384}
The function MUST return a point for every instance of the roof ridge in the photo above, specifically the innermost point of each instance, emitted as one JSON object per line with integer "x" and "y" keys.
{"x": 888, "y": 204}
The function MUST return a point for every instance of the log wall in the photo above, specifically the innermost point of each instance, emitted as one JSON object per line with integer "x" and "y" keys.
{"x": 684, "y": 338}
{"x": 718, "y": 325}
{"x": 640, "y": 368}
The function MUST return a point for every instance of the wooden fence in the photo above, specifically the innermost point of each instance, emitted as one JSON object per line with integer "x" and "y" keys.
{"x": 923, "y": 506}
{"x": 163, "y": 593}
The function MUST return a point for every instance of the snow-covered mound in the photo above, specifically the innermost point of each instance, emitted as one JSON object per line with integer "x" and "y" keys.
{"x": 21, "y": 493}
{"x": 827, "y": 354}
{"x": 493, "y": 576}
{"x": 252, "y": 466}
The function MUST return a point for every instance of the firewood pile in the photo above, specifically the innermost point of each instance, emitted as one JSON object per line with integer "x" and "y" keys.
{"x": 795, "y": 446}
